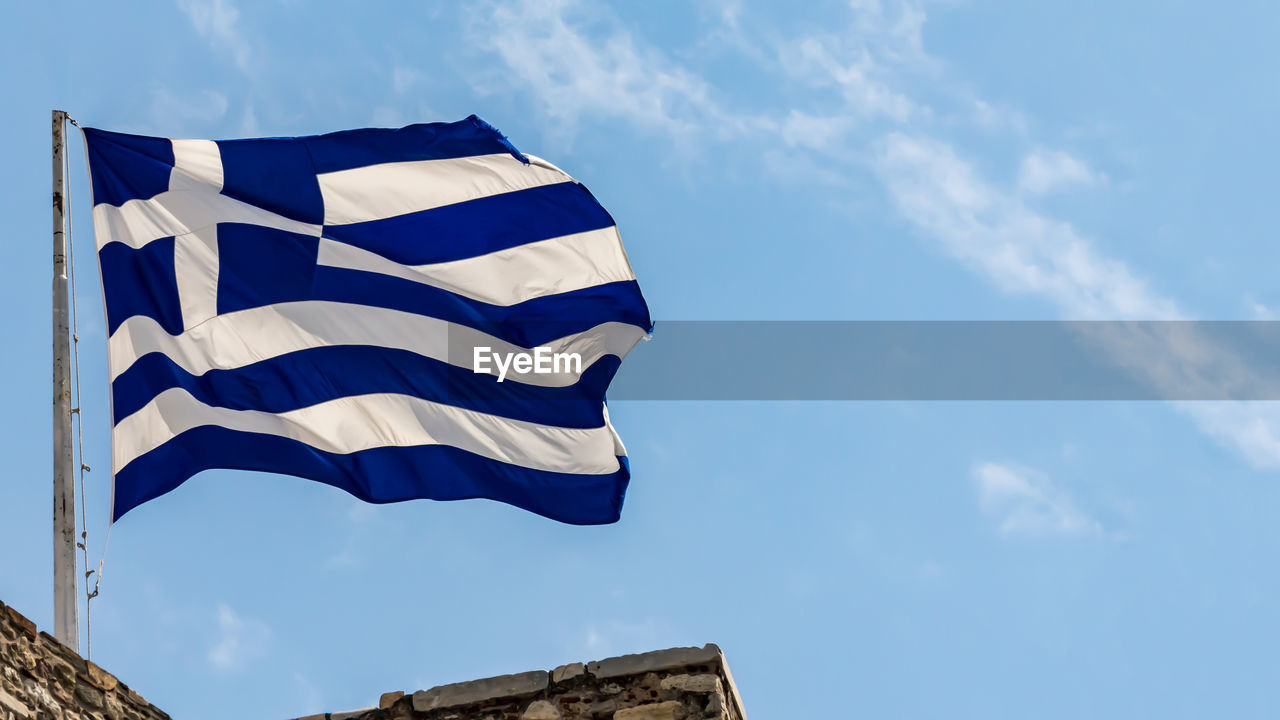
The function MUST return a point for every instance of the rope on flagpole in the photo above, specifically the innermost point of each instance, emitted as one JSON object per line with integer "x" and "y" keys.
{"x": 89, "y": 595}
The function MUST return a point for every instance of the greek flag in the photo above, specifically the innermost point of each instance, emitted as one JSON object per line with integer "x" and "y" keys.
{"x": 377, "y": 310}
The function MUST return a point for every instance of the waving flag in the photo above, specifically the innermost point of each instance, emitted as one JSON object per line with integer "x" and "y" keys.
{"x": 378, "y": 310}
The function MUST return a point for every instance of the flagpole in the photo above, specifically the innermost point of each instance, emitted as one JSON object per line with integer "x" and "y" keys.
{"x": 66, "y": 626}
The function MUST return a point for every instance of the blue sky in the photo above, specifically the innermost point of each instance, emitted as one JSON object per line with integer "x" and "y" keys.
{"x": 865, "y": 160}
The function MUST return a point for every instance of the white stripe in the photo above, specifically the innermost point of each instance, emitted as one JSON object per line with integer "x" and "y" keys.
{"x": 244, "y": 337}
{"x": 361, "y": 422}
{"x": 381, "y": 191}
{"x": 534, "y": 159}
{"x": 509, "y": 276}
{"x": 197, "y": 165}
{"x": 197, "y": 169}
{"x": 178, "y": 212}
{"x": 619, "y": 449}
{"x": 195, "y": 268}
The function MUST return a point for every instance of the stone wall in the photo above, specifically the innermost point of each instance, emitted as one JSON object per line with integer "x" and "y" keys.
{"x": 42, "y": 679}
{"x": 676, "y": 684}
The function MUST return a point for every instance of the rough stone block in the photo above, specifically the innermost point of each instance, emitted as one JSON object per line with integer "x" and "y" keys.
{"x": 20, "y": 621}
{"x": 39, "y": 696}
{"x": 652, "y": 711}
{"x": 62, "y": 651}
{"x": 61, "y": 672}
{"x": 705, "y": 683}
{"x": 389, "y": 699}
{"x": 100, "y": 678}
{"x": 568, "y": 672}
{"x": 90, "y": 697}
{"x": 541, "y": 710}
{"x": 114, "y": 709}
{"x": 657, "y": 660}
{"x": 350, "y": 714}
{"x": 603, "y": 707}
{"x": 13, "y": 705}
{"x": 24, "y": 655}
{"x": 465, "y": 693}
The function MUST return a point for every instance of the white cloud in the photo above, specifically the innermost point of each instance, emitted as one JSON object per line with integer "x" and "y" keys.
{"x": 1019, "y": 250}
{"x": 813, "y": 131}
{"x": 1022, "y": 501}
{"x": 1250, "y": 428}
{"x": 217, "y": 21}
{"x": 1259, "y": 311}
{"x": 239, "y": 640}
{"x": 995, "y": 118}
{"x": 863, "y": 60}
{"x": 993, "y": 230}
{"x": 1043, "y": 171}
{"x": 1015, "y": 247}
{"x": 829, "y": 59}
{"x": 897, "y": 34}
{"x": 578, "y": 62}
{"x": 545, "y": 47}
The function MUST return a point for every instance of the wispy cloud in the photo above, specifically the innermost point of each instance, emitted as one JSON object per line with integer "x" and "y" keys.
{"x": 1259, "y": 311}
{"x": 1024, "y": 502}
{"x": 546, "y": 49}
{"x": 1044, "y": 171}
{"x": 218, "y": 22}
{"x": 996, "y": 118}
{"x": 854, "y": 72}
{"x": 813, "y": 131}
{"x": 238, "y": 641}
{"x": 871, "y": 74}
{"x": 1250, "y": 428}
{"x": 997, "y": 234}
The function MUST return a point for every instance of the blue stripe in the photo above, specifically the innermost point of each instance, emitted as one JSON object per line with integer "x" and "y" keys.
{"x": 478, "y": 226}
{"x": 379, "y": 475}
{"x": 262, "y": 266}
{"x": 426, "y": 141}
{"x": 273, "y": 173}
{"x": 123, "y": 167}
{"x": 307, "y": 377}
{"x": 530, "y": 323}
{"x": 280, "y": 173}
{"x": 140, "y": 281}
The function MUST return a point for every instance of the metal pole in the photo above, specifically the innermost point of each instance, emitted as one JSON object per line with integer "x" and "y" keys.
{"x": 66, "y": 626}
